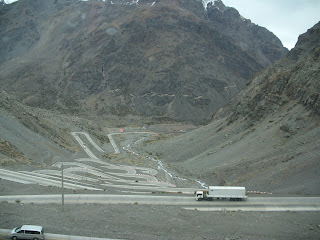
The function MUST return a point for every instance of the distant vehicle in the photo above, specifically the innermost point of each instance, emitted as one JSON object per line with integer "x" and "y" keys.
{"x": 222, "y": 192}
{"x": 27, "y": 232}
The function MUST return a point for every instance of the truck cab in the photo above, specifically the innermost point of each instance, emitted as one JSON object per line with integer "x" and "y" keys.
{"x": 199, "y": 195}
{"x": 222, "y": 192}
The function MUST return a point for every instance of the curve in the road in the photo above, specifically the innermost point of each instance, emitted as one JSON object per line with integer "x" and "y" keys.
{"x": 91, "y": 173}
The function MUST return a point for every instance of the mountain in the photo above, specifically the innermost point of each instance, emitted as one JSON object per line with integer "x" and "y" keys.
{"x": 267, "y": 137}
{"x": 33, "y": 138}
{"x": 29, "y": 137}
{"x": 168, "y": 59}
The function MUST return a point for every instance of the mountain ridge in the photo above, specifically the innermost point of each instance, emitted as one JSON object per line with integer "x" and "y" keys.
{"x": 92, "y": 57}
{"x": 267, "y": 137}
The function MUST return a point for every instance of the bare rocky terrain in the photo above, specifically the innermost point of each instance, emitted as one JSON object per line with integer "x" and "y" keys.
{"x": 161, "y": 222}
{"x": 132, "y": 221}
{"x": 168, "y": 60}
{"x": 266, "y": 138}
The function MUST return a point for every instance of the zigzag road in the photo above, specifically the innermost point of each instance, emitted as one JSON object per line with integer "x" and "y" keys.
{"x": 92, "y": 173}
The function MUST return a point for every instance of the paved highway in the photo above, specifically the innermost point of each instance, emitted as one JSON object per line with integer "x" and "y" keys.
{"x": 94, "y": 174}
{"x": 5, "y": 234}
{"x": 187, "y": 202}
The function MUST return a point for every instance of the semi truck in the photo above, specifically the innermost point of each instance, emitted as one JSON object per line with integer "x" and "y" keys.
{"x": 222, "y": 192}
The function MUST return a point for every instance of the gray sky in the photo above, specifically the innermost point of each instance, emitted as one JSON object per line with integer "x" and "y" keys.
{"x": 287, "y": 19}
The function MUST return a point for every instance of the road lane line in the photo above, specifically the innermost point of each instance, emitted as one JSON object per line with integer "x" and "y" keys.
{"x": 256, "y": 209}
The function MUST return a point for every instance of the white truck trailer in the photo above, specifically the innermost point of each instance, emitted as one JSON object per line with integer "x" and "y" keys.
{"x": 222, "y": 192}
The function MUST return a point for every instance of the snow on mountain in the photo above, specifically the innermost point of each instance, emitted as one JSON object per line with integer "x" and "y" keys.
{"x": 204, "y": 2}
{"x": 9, "y": 1}
{"x": 111, "y": 2}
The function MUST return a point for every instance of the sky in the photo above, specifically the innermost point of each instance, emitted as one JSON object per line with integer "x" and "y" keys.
{"x": 287, "y": 19}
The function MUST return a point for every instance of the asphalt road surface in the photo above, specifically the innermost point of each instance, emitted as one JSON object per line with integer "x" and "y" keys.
{"x": 252, "y": 204}
{"x": 5, "y": 234}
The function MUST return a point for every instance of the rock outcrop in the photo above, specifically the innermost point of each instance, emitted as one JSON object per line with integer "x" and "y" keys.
{"x": 167, "y": 59}
{"x": 267, "y": 137}
{"x": 293, "y": 79}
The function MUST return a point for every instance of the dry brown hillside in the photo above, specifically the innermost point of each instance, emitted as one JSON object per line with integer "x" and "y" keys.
{"x": 268, "y": 137}
{"x": 167, "y": 59}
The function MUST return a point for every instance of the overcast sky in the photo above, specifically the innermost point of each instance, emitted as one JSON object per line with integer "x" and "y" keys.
{"x": 287, "y": 19}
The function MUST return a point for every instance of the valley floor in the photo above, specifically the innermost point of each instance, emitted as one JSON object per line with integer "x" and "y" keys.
{"x": 134, "y": 221}
{"x": 150, "y": 222}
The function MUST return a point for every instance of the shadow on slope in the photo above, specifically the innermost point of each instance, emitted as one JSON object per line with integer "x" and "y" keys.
{"x": 267, "y": 138}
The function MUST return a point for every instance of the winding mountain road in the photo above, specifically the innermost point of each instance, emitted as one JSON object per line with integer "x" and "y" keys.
{"x": 92, "y": 173}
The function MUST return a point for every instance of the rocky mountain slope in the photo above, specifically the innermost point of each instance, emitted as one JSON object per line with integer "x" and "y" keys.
{"x": 28, "y": 138}
{"x": 168, "y": 59}
{"x": 267, "y": 138}
{"x": 35, "y": 138}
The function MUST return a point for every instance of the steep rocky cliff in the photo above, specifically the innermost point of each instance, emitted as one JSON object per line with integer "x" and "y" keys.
{"x": 171, "y": 59}
{"x": 293, "y": 79}
{"x": 267, "y": 137}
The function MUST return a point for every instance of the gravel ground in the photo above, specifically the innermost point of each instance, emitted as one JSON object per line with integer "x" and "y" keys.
{"x": 161, "y": 222}
{"x": 147, "y": 222}
{"x": 133, "y": 221}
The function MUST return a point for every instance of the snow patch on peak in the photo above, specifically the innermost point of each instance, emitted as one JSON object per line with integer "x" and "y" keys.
{"x": 216, "y": 3}
{"x": 205, "y": 3}
{"x": 128, "y": 2}
{"x": 9, "y": 1}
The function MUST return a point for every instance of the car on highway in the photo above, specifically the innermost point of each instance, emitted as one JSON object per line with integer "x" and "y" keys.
{"x": 30, "y": 232}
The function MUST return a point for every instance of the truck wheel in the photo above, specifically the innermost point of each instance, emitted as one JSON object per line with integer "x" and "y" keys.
{"x": 35, "y": 239}
{"x": 14, "y": 238}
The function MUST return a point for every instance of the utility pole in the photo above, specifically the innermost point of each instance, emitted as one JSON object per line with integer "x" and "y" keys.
{"x": 62, "y": 187}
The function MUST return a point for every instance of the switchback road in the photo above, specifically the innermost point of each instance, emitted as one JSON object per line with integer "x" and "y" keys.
{"x": 92, "y": 173}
